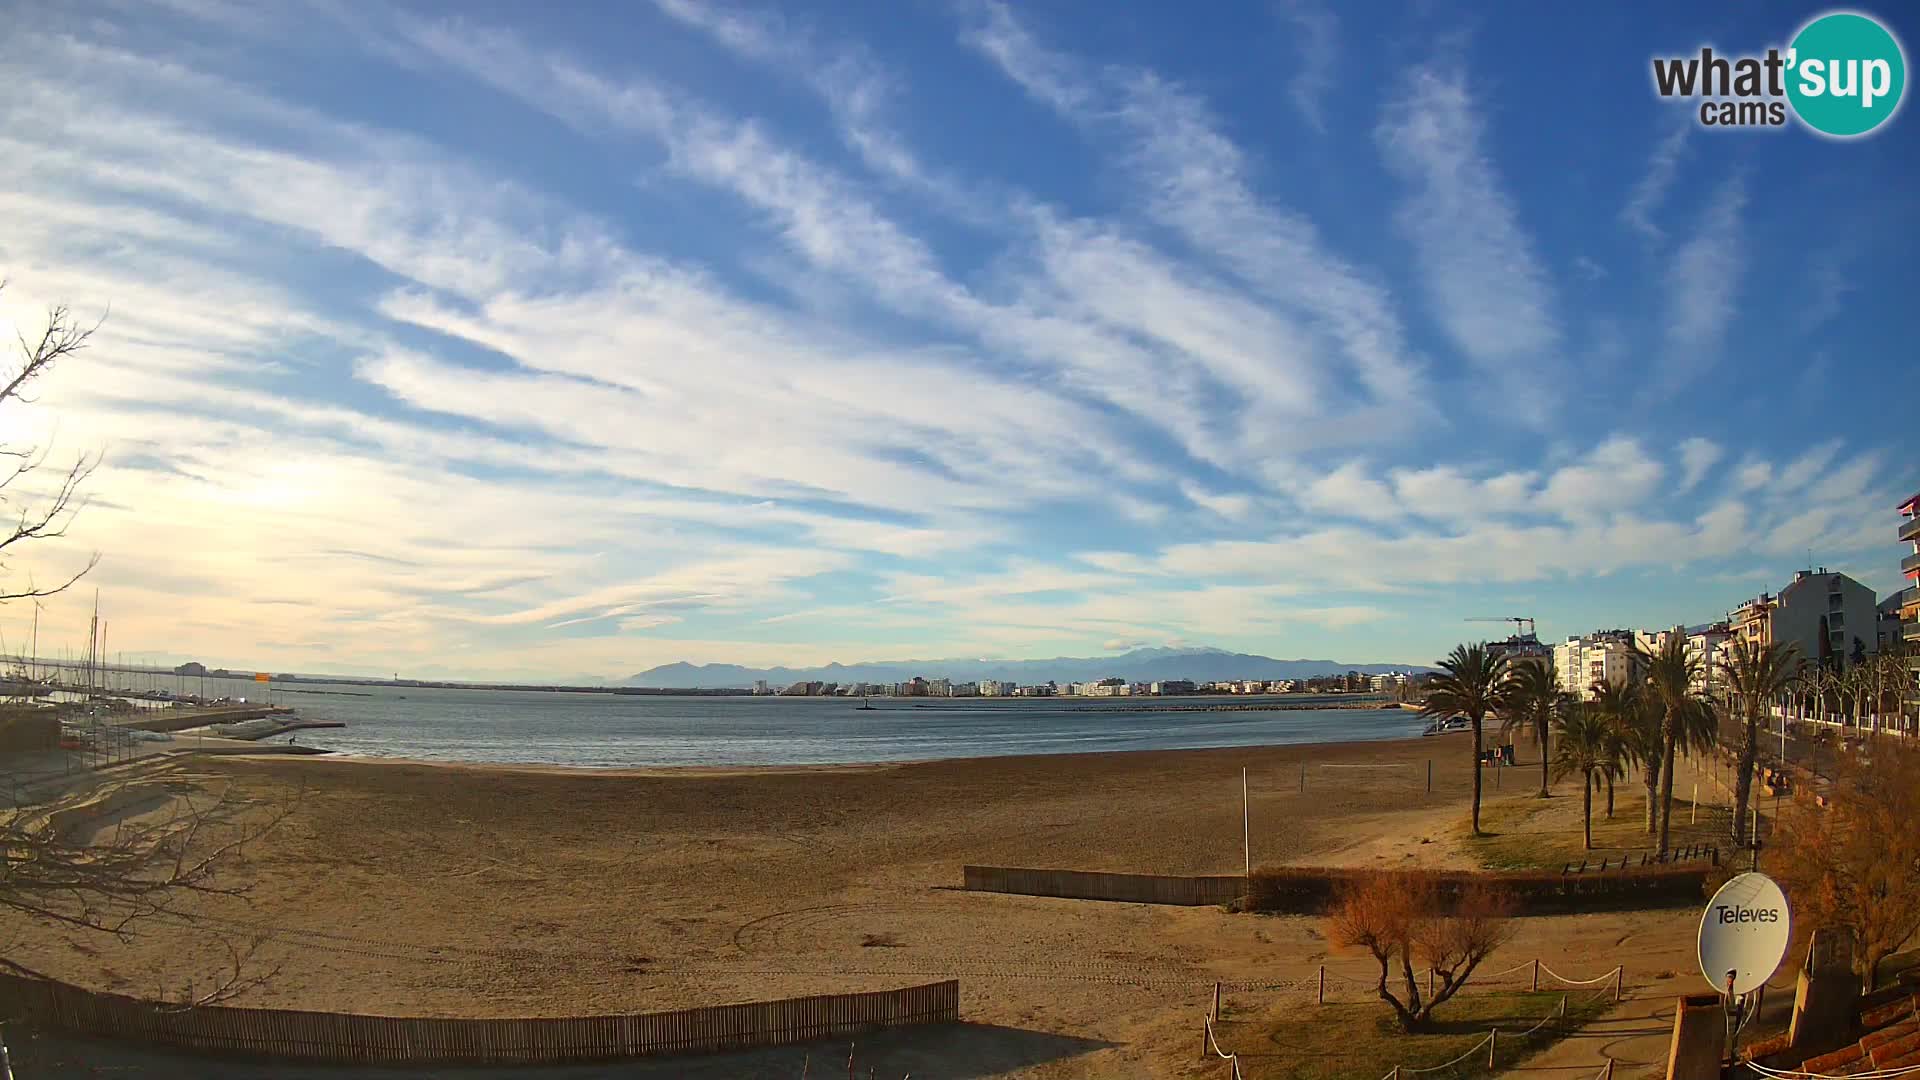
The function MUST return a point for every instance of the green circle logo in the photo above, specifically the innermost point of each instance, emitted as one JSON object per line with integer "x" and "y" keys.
{"x": 1846, "y": 74}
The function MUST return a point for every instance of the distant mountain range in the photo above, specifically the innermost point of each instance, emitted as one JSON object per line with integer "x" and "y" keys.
{"x": 1140, "y": 665}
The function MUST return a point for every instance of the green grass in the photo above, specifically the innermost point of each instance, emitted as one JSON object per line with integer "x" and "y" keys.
{"x": 1325, "y": 1042}
{"x": 1532, "y": 834}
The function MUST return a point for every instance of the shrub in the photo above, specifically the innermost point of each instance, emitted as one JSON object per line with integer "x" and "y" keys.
{"x": 1307, "y": 890}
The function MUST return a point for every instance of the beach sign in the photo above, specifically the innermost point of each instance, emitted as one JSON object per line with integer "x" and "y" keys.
{"x": 1744, "y": 932}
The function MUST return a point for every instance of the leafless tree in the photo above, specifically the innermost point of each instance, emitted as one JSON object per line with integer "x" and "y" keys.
{"x": 58, "y": 866}
{"x": 1405, "y": 918}
{"x": 60, "y": 869}
{"x": 1855, "y": 862}
{"x": 47, "y": 515}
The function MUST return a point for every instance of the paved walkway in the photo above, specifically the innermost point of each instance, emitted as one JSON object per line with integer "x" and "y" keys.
{"x": 1637, "y": 1034}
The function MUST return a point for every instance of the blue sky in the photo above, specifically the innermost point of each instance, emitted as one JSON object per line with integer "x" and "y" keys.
{"x": 463, "y": 340}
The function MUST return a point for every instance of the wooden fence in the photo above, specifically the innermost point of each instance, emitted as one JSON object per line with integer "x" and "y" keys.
{"x": 1089, "y": 885}
{"x": 346, "y": 1037}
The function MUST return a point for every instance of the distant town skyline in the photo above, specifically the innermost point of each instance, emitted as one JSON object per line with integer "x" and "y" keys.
{"x": 523, "y": 344}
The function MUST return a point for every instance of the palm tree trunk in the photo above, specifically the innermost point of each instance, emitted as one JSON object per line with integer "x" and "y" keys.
{"x": 1743, "y": 783}
{"x": 1586, "y": 813}
{"x": 1650, "y": 776}
{"x": 1540, "y": 735}
{"x": 1666, "y": 789}
{"x": 1476, "y": 774}
{"x": 1609, "y": 777}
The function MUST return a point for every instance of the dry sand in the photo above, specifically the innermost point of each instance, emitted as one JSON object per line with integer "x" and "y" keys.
{"x": 428, "y": 889}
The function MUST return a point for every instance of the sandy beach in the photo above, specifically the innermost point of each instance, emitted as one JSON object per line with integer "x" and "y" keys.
{"x": 432, "y": 889}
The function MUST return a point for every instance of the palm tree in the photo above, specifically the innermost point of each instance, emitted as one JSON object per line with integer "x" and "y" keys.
{"x": 1468, "y": 685}
{"x": 1622, "y": 704}
{"x": 1686, "y": 721}
{"x": 1757, "y": 675}
{"x": 1530, "y": 699}
{"x": 1590, "y": 746}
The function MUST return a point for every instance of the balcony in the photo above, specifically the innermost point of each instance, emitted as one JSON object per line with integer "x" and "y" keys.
{"x": 1910, "y": 528}
{"x": 1911, "y": 631}
{"x": 1910, "y": 565}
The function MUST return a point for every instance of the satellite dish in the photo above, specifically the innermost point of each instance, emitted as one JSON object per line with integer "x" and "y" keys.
{"x": 1744, "y": 931}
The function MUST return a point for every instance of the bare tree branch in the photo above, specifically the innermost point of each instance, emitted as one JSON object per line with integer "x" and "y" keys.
{"x": 142, "y": 868}
{"x": 48, "y": 518}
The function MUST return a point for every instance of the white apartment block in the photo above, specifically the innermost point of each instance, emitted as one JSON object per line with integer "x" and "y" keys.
{"x": 1707, "y": 647}
{"x": 1596, "y": 658}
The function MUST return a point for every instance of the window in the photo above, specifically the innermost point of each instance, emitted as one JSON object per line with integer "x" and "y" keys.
{"x": 1833, "y": 600}
{"x": 1839, "y": 639}
{"x": 1836, "y": 620}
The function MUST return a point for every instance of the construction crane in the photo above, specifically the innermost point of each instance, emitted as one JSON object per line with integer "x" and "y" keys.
{"x": 1522, "y": 624}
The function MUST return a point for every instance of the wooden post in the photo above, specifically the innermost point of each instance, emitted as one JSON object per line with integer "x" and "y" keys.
{"x": 1303, "y": 777}
{"x": 1429, "y": 776}
{"x": 1216, "y": 1001}
{"x": 1693, "y": 805}
{"x": 1493, "y": 1045}
{"x": 1608, "y": 1075}
{"x": 1429, "y": 984}
{"x": 1618, "y": 971}
{"x": 1536, "y": 976}
{"x": 1206, "y": 1040}
{"x": 1246, "y": 830}
{"x": 1322, "y": 998}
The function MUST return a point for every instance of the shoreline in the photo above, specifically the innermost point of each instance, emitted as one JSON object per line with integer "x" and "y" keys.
{"x": 1012, "y": 760}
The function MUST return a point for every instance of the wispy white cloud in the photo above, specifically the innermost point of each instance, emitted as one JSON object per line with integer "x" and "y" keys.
{"x": 1478, "y": 264}
{"x": 1651, "y": 190}
{"x": 1618, "y": 474}
{"x": 1052, "y": 77}
{"x": 1316, "y": 56}
{"x": 1192, "y": 178}
{"x": 1697, "y": 456}
{"x": 1703, "y": 285}
{"x": 1170, "y": 413}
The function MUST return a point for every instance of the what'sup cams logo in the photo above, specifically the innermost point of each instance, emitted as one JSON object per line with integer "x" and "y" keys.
{"x": 1843, "y": 76}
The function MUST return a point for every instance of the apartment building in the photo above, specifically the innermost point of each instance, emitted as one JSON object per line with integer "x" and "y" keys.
{"x": 1600, "y": 657}
{"x": 1707, "y": 647}
{"x": 1910, "y": 596}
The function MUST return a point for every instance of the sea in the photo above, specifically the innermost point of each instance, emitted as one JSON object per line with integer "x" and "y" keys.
{"x": 632, "y": 731}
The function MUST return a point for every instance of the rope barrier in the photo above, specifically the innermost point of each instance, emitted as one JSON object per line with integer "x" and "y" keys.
{"x": 1491, "y": 1041}
{"x": 1474, "y": 1049}
{"x": 1232, "y": 1060}
{"x": 1504, "y": 974}
{"x": 1558, "y": 1013}
{"x": 1480, "y": 977}
{"x": 1581, "y": 982}
{"x": 1790, "y": 1074}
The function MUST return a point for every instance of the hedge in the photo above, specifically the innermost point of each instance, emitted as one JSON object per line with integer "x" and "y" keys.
{"x": 1312, "y": 889}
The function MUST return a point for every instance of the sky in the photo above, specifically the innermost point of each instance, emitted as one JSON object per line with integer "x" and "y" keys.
{"x": 482, "y": 340}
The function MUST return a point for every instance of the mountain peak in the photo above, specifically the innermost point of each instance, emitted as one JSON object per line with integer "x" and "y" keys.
{"x": 1146, "y": 664}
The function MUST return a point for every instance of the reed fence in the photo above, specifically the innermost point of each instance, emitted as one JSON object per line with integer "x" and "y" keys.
{"x": 1091, "y": 885}
{"x": 360, "y": 1039}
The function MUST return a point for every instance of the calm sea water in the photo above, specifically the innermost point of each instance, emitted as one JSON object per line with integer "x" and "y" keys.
{"x": 603, "y": 730}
